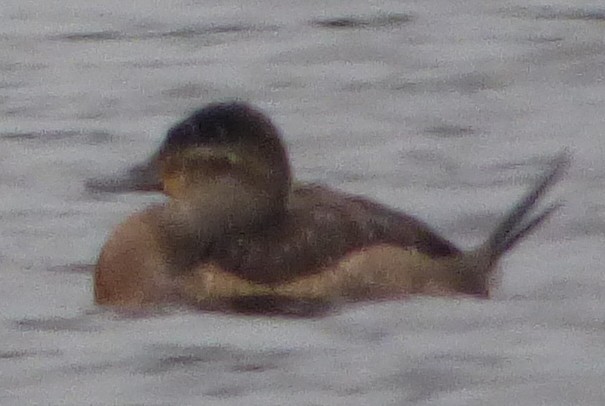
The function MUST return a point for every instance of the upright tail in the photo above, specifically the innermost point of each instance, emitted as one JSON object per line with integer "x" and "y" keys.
{"x": 519, "y": 222}
{"x": 472, "y": 269}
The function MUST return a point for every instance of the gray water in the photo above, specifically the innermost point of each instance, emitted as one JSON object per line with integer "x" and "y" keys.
{"x": 443, "y": 109}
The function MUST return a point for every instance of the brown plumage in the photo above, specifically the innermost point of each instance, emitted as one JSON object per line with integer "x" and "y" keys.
{"x": 236, "y": 233}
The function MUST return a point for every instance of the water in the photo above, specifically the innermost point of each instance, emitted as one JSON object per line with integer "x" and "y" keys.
{"x": 442, "y": 109}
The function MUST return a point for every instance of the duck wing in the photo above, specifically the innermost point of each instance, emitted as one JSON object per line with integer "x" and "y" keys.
{"x": 320, "y": 227}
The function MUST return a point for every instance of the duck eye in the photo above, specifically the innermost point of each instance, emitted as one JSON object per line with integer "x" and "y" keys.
{"x": 233, "y": 158}
{"x": 210, "y": 132}
{"x": 221, "y": 133}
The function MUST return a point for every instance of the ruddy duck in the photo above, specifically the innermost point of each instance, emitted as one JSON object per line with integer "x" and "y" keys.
{"x": 237, "y": 230}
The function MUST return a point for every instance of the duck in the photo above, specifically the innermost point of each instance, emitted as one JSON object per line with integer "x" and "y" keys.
{"x": 238, "y": 233}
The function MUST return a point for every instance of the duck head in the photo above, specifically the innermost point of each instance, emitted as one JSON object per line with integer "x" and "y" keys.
{"x": 222, "y": 142}
{"x": 225, "y": 143}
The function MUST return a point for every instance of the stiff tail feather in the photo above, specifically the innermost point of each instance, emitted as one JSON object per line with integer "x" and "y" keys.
{"x": 517, "y": 224}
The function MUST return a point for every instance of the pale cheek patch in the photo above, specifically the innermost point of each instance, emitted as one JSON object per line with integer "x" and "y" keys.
{"x": 174, "y": 184}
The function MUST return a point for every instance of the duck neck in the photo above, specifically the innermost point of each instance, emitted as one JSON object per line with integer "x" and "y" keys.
{"x": 190, "y": 227}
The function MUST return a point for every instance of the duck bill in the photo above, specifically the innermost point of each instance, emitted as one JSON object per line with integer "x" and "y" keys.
{"x": 143, "y": 177}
